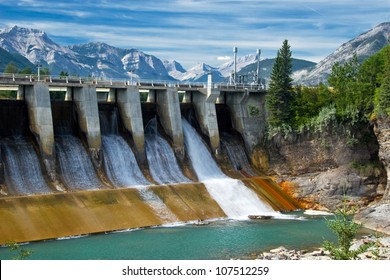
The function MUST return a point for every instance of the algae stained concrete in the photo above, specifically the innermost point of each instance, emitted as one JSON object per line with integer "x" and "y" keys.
{"x": 41, "y": 217}
{"x": 269, "y": 191}
{"x": 189, "y": 201}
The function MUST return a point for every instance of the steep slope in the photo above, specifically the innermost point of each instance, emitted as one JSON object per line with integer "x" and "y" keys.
{"x": 20, "y": 61}
{"x": 298, "y": 65}
{"x": 174, "y": 68}
{"x": 199, "y": 73}
{"x": 38, "y": 48}
{"x": 363, "y": 46}
{"x": 242, "y": 61}
{"x": 91, "y": 59}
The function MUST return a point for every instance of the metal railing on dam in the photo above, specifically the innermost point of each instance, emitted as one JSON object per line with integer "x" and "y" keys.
{"x": 74, "y": 81}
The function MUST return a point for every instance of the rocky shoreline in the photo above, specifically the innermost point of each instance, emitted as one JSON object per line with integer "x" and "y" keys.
{"x": 380, "y": 251}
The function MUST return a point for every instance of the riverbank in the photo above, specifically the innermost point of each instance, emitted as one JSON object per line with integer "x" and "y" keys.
{"x": 380, "y": 251}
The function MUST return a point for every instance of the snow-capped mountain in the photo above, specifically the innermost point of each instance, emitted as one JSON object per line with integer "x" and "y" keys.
{"x": 299, "y": 66}
{"x": 199, "y": 73}
{"x": 242, "y": 61}
{"x": 363, "y": 46}
{"x": 174, "y": 68}
{"x": 91, "y": 59}
{"x": 102, "y": 60}
{"x": 18, "y": 60}
{"x": 38, "y": 48}
{"x": 111, "y": 62}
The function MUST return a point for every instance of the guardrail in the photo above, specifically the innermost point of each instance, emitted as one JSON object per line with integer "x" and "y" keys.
{"x": 52, "y": 79}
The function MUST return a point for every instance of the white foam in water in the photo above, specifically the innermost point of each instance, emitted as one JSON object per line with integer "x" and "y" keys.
{"x": 235, "y": 199}
{"x": 317, "y": 213}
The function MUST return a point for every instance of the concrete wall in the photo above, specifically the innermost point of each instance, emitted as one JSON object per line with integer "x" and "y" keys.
{"x": 168, "y": 110}
{"x": 37, "y": 97}
{"x": 204, "y": 104}
{"x": 2, "y": 179}
{"x": 88, "y": 117}
{"x": 129, "y": 104}
{"x": 248, "y": 116}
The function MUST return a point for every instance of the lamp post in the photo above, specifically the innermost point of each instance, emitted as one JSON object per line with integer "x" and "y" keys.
{"x": 258, "y": 81}
{"x": 39, "y": 71}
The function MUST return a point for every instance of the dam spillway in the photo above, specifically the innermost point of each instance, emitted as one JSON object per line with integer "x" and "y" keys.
{"x": 108, "y": 162}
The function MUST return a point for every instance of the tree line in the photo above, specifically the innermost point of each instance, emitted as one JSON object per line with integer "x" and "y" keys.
{"x": 355, "y": 92}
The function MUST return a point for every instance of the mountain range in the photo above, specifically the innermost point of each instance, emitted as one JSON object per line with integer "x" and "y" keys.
{"x": 99, "y": 59}
{"x": 362, "y": 46}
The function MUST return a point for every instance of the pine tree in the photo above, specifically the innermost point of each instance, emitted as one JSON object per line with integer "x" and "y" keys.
{"x": 11, "y": 68}
{"x": 384, "y": 91}
{"x": 279, "y": 97}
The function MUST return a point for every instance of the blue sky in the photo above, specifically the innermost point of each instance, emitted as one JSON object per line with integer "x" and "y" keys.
{"x": 192, "y": 31}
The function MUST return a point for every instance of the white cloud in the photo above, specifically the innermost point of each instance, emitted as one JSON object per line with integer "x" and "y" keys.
{"x": 190, "y": 31}
{"x": 224, "y": 58}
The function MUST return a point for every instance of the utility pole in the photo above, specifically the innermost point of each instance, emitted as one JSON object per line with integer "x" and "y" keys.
{"x": 258, "y": 80}
{"x": 39, "y": 71}
{"x": 235, "y": 65}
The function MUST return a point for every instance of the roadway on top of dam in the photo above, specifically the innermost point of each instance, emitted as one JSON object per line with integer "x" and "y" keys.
{"x": 56, "y": 81}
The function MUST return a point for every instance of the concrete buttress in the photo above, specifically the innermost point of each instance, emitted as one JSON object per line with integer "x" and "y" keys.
{"x": 168, "y": 110}
{"x": 129, "y": 104}
{"x": 37, "y": 97}
{"x": 85, "y": 99}
{"x": 204, "y": 103}
{"x": 248, "y": 116}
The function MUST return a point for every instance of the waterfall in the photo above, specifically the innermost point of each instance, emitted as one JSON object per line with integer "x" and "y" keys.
{"x": 235, "y": 199}
{"x": 120, "y": 164}
{"x": 23, "y": 172}
{"x": 76, "y": 167}
{"x": 122, "y": 170}
{"x": 161, "y": 158}
{"x": 236, "y": 154}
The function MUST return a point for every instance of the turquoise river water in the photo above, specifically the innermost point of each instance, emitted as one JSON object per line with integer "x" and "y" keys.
{"x": 216, "y": 240}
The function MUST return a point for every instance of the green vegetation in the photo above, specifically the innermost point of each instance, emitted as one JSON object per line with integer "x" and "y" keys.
{"x": 20, "y": 254}
{"x": 356, "y": 93}
{"x": 279, "y": 97}
{"x": 345, "y": 229}
{"x": 18, "y": 60}
{"x": 383, "y": 106}
{"x": 253, "y": 110}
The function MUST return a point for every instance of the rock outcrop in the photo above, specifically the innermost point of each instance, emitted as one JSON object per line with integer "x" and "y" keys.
{"x": 323, "y": 168}
{"x": 382, "y": 132}
{"x": 380, "y": 251}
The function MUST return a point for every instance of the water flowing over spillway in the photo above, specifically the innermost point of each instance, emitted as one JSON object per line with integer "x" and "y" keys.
{"x": 76, "y": 167}
{"x": 162, "y": 162}
{"x": 236, "y": 154}
{"x": 120, "y": 163}
{"x": 233, "y": 196}
{"x": 122, "y": 170}
{"x": 23, "y": 173}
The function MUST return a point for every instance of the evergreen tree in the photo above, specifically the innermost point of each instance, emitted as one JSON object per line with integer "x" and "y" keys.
{"x": 384, "y": 91}
{"x": 279, "y": 97}
{"x": 11, "y": 68}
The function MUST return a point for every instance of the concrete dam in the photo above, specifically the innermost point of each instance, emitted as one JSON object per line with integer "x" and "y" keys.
{"x": 82, "y": 157}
